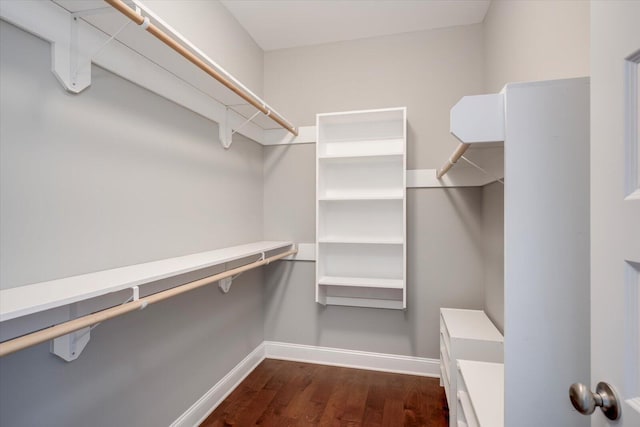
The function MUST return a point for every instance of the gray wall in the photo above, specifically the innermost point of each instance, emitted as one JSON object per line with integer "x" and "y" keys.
{"x": 211, "y": 27}
{"x": 530, "y": 40}
{"x": 427, "y": 72}
{"x": 444, "y": 263}
{"x": 111, "y": 177}
{"x": 493, "y": 250}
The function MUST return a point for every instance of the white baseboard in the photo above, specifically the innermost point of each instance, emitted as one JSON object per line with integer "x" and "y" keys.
{"x": 353, "y": 359}
{"x": 201, "y": 409}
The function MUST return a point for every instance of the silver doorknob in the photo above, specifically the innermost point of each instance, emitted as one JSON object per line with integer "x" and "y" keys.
{"x": 586, "y": 401}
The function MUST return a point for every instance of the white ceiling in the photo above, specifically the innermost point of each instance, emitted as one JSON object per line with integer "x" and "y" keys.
{"x": 279, "y": 24}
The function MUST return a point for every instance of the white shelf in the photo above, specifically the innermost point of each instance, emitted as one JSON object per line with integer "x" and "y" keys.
{"x": 365, "y": 282}
{"x": 483, "y": 384}
{"x": 470, "y": 324}
{"x": 360, "y": 197}
{"x": 361, "y": 154}
{"x": 29, "y": 299}
{"x": 375, "y": 221}
{"x": 361, "y": 209}
{"x": 465, "y": 334}
{"x": 366, "y": 302}
{"x": 345, "y": 195}
{"x": 363, "y": 241}
{"x": 372, "y": 176}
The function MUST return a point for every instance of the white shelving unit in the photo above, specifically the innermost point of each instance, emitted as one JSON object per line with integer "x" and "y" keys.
{"x": 480, "y": 397}
{"x": 465, "y": 334}
{"x": 361, "y": 208}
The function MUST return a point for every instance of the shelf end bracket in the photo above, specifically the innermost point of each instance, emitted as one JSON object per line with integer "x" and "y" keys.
{"x": 69, "y": 347}
{"x": 225, "y": 284}
{"x": 225, "y": 132}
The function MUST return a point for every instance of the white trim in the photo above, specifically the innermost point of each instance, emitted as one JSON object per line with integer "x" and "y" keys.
{"x": 353, "y": 359}
{"x": 204, "y": 406}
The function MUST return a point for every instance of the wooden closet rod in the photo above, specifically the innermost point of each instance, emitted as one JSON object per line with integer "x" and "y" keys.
{"x": 452, "y": 160}
{"x": 195, "y": 60}
{"x": 16, "y": 344}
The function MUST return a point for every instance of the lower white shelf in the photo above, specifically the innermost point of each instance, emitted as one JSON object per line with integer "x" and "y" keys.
{"x": 481, "y": 393}
{"x": 363, "y": 241}
{"x": 29, "y": 299}
{"x": 356, "y": 197}
{"x": 365, "y": 302}
{"x": 366, "y": 282}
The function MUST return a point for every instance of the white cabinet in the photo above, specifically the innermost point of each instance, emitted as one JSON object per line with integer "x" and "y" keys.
{"x": 465, "y": 334}
{"x": 480, "y": 396}
{"x": 360, "y": 208}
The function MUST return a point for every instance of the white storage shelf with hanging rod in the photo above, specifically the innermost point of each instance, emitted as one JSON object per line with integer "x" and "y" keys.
{"x": 130, "y": 40}
{"x": 18, "y": 302}
{"x": 478, "y": 122}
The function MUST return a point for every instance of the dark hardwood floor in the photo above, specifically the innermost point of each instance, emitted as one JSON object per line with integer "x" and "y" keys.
{"x": 280, "y": 393}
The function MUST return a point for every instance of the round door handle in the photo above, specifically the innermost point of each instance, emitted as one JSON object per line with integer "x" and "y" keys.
{"x": 585, "y": 401}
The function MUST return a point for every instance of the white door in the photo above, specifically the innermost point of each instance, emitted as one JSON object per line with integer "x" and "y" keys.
{"x": 615, "y": 205}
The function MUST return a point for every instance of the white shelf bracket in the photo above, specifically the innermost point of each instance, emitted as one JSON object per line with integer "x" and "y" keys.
{"x": 69, "y": 347}
{"x": 70, "y": 64}
{"x": 81, "y": 65}
{"x": 224, "y": 131}
{"x": 225, "y": 284}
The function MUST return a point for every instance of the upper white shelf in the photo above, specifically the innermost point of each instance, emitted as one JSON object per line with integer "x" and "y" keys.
{"x": 29, "y": 299}
{"x": 367, "y": 147}
{"x": 80, "y": 33}
{"x": 352, "y": 152}
{"x": 476, "y": 121}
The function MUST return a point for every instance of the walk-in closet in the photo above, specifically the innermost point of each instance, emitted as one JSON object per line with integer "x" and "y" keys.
{"x": 319, "y": 213}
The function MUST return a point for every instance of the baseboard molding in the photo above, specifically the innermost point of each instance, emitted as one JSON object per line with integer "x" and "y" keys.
{"x": 353, "y": 359}
{"x": 200, "y": 410}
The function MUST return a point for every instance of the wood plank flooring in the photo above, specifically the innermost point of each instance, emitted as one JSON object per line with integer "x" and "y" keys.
{"x": 281, "y": 393}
